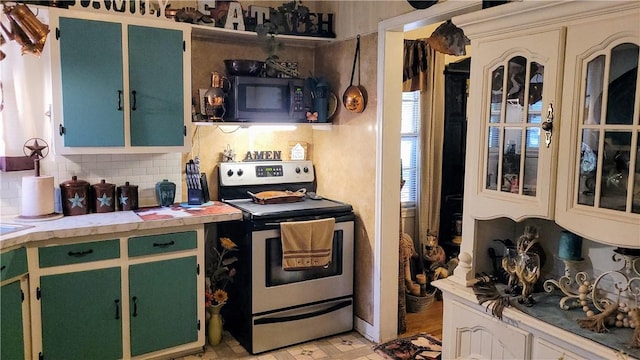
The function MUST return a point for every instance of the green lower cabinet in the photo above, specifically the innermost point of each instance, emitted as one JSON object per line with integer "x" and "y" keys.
{"x": 11, "y": 331}
{"x": 82, "y": 315}
{"x": 163, "y": 304}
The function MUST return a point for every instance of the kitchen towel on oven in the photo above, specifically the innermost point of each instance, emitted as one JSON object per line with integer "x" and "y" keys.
{"x": 306, "y": 244}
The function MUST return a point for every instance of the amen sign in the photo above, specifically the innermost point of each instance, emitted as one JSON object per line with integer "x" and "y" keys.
{"x": 146, "y": 8}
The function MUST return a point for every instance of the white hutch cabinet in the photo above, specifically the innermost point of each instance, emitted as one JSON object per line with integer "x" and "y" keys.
{"x": 555, "y": 111}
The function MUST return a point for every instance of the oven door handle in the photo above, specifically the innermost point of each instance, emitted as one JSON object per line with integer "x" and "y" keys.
{"x": 280, "y": 319}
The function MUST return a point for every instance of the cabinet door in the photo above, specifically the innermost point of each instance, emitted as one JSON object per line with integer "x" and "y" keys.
{"x": 81, "y": 315}
{"x": 156, "y": 86}
{"x": 163, "y": 304}
{"x": 599, "y": 161}
{"x": 472, "y": 334}
{"x": 92, "y": 83}
{"x": 11, "y": 330}
{"x": 514, "y": 83}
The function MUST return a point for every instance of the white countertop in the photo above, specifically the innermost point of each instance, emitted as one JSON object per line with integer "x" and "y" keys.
{"x": 114, "y": 222}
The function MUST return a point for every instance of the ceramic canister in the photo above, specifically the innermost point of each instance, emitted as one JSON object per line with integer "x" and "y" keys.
{"x": 165, "y": 192}
{"x": 104, "y": 195}
{"x": 75, "y": 197}
{"x": 127, "y": 197}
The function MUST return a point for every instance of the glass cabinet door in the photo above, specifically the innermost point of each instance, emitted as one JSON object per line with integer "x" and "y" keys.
{"x": 514, "y": 168}
{"x": 599, "y": 168}
{"x": 513, "y": 133}
{"x": 608, "y": 132}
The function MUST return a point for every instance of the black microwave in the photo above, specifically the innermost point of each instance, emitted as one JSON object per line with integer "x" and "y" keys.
{"x": 257, "y": 99}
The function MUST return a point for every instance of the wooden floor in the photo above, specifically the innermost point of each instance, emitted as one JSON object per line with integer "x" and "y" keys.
{"x": 428, "y": 321}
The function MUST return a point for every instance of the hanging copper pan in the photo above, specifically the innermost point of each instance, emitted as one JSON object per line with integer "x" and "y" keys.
{"x": 355, "y": 97}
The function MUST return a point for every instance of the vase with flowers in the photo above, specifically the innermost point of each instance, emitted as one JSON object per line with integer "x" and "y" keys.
{"x": 219, "y": 275}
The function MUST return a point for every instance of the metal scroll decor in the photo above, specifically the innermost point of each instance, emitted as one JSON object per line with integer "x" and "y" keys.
{"x": 580, "y": 291}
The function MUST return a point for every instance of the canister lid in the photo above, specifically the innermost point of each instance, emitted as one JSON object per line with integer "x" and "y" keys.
{"x": 74, "y": 182}
{"x": 103, "y": 185}
{"x": 127, "y": 186}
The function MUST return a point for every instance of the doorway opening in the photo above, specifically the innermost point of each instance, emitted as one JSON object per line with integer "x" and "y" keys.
{"x": 391, "y": 37}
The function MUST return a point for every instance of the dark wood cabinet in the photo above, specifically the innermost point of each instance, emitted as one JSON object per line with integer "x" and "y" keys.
{"x": 453, "y": 152}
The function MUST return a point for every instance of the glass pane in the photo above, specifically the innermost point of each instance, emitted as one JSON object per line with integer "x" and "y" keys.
{"x": 531, "y": 162}
{"x": 493, "y": 150}
{"x": 409, "y": 158}
{"x": 615, "y": 170}
{"x": 588, "y": 167}
{"x": 623, "y": 72}
{"x": 535, "y": 92}
{"x": 516, "y": 80}
{"x": 511, "y": 160}
{"x": 593, "y": 92}
{"x": 535, "y": 113}
{"x": 496, "y": 94}
{"x": 635, "y": 207}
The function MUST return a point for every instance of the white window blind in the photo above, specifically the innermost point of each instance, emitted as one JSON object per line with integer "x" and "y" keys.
{"x": 410, "y": 145}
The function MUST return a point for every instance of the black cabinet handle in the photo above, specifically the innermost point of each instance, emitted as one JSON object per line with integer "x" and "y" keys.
{"x": 119, "y": 100}
{"x": 117, "y": 309}
{"x": 134, "y": 100}
{"x": 164, "y": 245}
{"x": 3, "y": 267}
{"x": 80, "y": 253}
{"x": 135, "y": 306}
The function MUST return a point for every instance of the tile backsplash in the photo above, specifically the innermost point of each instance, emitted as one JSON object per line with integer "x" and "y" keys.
{"x": 143, "y": 170}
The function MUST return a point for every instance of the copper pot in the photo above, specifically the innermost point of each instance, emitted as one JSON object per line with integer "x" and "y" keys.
{"x": 355, "y": 97}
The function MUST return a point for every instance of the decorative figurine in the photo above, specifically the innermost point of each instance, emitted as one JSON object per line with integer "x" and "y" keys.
{"x": 528, "y": 272}
{"x": 530, "y": 260}
{"x": 509, "y": 261}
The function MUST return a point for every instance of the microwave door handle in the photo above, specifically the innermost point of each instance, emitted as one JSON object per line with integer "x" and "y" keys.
{"x": 291, "y": 98}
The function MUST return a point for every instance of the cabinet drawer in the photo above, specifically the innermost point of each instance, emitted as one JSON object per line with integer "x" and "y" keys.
{"x": 162, "y": 243}
{"x": 13, "y": 263}
{"x": 79, "y": 253}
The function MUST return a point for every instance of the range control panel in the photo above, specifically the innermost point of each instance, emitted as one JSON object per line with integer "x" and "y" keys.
{"x": 265, "y": 172}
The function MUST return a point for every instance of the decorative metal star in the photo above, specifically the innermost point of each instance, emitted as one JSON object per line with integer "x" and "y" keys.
{"x": 104, "y": 200}
{"x": 123, "y": 200}
{"x": 37, "y": 150}
{"x": 76, "y": 201}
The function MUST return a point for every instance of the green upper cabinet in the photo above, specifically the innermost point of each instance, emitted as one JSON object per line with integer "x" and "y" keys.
{"x": 91, "y": 66}
{"x": 157, "y": 105}
{"x": 123, "y": 84}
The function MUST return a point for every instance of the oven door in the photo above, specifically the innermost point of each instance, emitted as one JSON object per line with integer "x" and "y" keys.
{"x": 274, "y": 288}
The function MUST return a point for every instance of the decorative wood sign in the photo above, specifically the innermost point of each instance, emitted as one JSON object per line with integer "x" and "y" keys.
{"x": 263, "y": 155}
{"x": 146, "y": 8}
{"x": 291, "y": 18}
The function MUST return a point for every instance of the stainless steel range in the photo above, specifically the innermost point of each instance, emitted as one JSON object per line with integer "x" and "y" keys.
{"x": 270, "y": 307}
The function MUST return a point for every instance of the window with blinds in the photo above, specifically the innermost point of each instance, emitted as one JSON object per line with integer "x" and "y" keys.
{"x": 410, "y": 145}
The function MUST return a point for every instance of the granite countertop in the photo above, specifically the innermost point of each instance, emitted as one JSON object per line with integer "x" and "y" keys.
{"x": 113, "y": 222}
{"x": 547, "y": 316}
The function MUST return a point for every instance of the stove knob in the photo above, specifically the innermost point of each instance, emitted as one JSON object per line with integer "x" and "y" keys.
{"x": 306, "y": 169}
{"x": 297, "y": 170}
{"x": 240, "y": 172}
{"x": 230, "y": 172}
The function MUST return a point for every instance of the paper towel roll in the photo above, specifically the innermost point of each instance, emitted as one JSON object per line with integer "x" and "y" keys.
{"x": 37, "y": 195}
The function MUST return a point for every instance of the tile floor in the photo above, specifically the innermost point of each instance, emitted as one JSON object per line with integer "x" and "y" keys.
{"x": 348, "y": 346}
